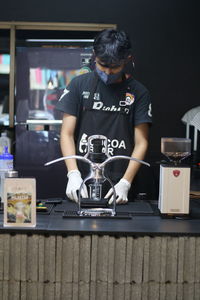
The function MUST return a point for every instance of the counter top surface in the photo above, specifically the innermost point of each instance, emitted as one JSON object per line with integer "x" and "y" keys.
{"x": 143, "y": 219}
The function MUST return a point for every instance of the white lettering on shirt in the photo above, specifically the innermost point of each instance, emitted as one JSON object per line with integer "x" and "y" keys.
{"x": 98, "y": 105}
{"x": 150, "y": 111}
{"x": 83, "y": 144}
{"x": 112, "y": 144}
{"x": 85, "y": 94}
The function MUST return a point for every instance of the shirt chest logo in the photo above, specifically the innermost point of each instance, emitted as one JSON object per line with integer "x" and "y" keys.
{"x": 129, "y": 100}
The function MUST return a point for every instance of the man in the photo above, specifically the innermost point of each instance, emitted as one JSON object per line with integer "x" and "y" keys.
{"x": 107, "y": 101}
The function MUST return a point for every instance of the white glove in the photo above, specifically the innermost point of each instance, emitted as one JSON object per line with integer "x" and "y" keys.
{"x": 121, "y": 189}
{"x": 73, "y": 186}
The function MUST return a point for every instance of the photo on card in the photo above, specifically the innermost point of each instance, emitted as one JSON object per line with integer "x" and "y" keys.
{"x": 19, "y": 202}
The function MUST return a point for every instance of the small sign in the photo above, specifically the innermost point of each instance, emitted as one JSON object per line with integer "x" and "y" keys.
{"x": 19, "y": 202}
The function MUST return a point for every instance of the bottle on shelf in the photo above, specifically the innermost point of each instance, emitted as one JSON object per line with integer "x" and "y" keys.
{"x": 6, "y": 165}
{"x": 4, "y": 142}
{"x": 6, "y": 160}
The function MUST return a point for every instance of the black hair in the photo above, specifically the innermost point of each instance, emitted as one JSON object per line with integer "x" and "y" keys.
{"x": 112, "y": 46}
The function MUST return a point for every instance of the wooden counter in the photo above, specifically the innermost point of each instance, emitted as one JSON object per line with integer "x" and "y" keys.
{"x": 101, "y": 259}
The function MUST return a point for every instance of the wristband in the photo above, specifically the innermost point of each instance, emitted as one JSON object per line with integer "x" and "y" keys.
{"x": 126, "y": 182}
{"x": 73, "y": 171}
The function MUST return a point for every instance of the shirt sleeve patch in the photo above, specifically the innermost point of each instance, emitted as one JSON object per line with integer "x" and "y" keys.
{"x": 65, "y": 92}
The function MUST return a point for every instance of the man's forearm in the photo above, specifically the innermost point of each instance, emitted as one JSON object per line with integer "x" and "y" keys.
{"x": 133, "y": 166}
{"x": 141, "y": 132}
{"x": 68, "y": 148}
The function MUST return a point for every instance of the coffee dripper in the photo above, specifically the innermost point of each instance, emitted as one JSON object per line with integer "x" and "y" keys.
{"x": 97, "y": 157}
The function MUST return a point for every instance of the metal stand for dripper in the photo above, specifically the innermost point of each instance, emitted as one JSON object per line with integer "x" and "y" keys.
{"x": 97, "y": 157}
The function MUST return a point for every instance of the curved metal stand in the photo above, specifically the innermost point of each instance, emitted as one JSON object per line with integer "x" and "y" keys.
{"x": 97, "y": 176}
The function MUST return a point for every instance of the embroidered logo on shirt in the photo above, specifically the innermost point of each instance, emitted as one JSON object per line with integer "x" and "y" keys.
{"x": 129, "y": 98}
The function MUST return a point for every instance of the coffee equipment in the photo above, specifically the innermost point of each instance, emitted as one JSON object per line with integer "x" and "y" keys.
{"x": 174, "y": 186}
{"x": 97, "y": 157}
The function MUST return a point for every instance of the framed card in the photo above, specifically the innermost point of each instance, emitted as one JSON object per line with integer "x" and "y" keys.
{"x": 19, "y": 202}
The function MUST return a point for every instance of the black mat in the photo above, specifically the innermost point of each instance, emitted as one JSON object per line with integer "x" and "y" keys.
{"x": 66, "y": 205}
{"x": 137, "y": 207}
{"x": 133, "y": 208}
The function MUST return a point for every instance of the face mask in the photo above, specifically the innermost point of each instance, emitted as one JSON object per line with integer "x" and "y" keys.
{"x": 108, "y": 78}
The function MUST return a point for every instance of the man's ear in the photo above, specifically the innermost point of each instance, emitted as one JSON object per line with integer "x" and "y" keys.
{"x": 92, "y": 62}
{"x": 93, "y": 54}
{"x": 129, "y": 66}
{"x": 131, "y": 58}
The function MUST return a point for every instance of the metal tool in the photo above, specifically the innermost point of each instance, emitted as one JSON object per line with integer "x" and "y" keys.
{"x": 97, "y": 157}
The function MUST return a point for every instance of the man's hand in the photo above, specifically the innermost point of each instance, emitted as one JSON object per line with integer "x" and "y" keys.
{"x": 121, "y": 189}
{"x": 74, "y": 184}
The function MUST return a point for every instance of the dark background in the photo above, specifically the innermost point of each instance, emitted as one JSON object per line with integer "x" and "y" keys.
{"x": 166, "y": 47}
